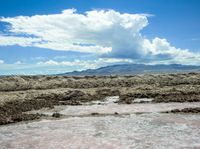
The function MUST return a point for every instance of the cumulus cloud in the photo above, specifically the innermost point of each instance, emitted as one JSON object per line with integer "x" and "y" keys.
{"x": 161, "y": 51}
{"x": 109, "y": 34}
{"x": 1, "y": 61}
{"x": 93, "y": 32}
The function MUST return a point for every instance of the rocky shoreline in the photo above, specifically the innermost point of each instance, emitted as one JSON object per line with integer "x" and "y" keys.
{"x": 19, "y": 94}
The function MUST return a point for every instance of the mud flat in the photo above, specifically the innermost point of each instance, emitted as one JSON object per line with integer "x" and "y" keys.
{"x": 110, "y": 107}
{"x": 106, "y": 124}
{"x": 154, "y": 131}
{"x": 19, "y": 94}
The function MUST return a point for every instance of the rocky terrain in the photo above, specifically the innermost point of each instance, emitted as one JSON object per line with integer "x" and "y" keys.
{"x": 19, "y": 94}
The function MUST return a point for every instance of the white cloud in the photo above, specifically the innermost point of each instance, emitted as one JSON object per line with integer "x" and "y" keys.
{"x": 93, "y": 32}
{"x": 161, "y": 49}
{"x": 22, "y": 41}
{"x": 109, "y": 34}
{"x": 18, "y": 63}
{"x": 49, "y": 62}
{"x": 85, "y": 64}
{"x": 1, "y": 61}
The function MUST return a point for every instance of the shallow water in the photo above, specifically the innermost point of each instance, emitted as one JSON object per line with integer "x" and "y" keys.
{"x": 147, "y": 130}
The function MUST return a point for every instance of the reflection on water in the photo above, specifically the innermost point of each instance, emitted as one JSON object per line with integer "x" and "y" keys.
{"x": 149, "y": 130}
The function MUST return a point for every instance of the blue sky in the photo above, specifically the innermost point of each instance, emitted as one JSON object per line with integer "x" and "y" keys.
{"x": 59, "y": 35}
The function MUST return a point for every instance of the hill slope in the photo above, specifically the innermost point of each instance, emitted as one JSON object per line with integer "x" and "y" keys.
{"x": 131, "y": 69}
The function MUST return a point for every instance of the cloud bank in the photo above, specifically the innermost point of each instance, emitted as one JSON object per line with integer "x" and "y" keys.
{"x": 108, "y": 34}
{"x": 86, "y": 64}
{"x": 56, "y": 67}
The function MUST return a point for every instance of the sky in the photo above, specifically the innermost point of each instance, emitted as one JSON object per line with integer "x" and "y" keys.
{"x": 57, "y": 36}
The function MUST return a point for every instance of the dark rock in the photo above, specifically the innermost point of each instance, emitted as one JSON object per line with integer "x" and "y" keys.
{"x": 187, "y": 110}
{"x": 94, "y": 113}
{"x": 56, "y": 115}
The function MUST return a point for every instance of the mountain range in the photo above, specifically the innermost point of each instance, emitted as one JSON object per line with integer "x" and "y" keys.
{"x": 132, "y": 69}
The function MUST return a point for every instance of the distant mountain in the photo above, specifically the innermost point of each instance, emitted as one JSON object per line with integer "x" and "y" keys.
{"x": 131, "y": 69}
